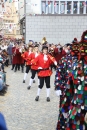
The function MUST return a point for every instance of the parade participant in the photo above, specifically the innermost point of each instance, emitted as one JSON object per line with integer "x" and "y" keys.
{"x": 15, "y": 52}
{"x": 44, "y": 60}
{"x": 63, "y": 83}
{"x": 51, "y": 51}
{"x": 77, "y": 115}
{"x": 21, "y": 60}
{"x": 34, "y": 68}
{"x": 58, "y": 53}
{"x": 28, "y": 62}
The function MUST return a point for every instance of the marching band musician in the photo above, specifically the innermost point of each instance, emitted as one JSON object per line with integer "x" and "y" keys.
{"x": 44, "y": 61}
{"x": 34, "y": 68}
{"x": 25, "y": 56}
{"x": 15, "y": 57}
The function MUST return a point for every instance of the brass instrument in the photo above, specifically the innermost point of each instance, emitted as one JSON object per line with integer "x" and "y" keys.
{"x": 44, "y": 40}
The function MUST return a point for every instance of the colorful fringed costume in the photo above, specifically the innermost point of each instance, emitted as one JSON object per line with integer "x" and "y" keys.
{"x": 73, "y": 107}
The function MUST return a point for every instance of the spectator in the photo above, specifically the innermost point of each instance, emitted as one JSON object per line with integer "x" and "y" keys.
{"x": 9, "y": 51}
{"x": 2, "y": 123}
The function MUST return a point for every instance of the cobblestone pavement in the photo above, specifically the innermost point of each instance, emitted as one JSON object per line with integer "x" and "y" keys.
{"x": 20, "y": 109}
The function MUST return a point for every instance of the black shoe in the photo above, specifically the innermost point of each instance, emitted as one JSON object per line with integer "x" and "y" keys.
{"x": 33, "y": 81}
{"x": 23, "y": 81}
{"x": 48, "y": 99}
{"x": 15, "y": 70}
{"x": 37, "y": 98}
{"x": 28, "y": 87}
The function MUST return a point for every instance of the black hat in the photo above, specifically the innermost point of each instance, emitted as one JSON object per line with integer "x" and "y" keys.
{"x": 36, "y": 45}
{"x": 68, "y": 44}
{"x": 30, "y": 46}
{"x": 44, "y": 47}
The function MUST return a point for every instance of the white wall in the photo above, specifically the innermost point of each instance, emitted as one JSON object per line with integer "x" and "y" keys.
{"x": 55, "y": 28}
{"x": 33, "y": 7}
{"x": 21, "y": 10}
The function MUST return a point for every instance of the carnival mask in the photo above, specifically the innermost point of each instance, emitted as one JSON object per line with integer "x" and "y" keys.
{"x": 75, "y": 49}
{"x": 83, "y": 49}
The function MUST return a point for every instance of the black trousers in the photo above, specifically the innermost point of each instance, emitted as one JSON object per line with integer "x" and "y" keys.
{"x": 33, "y": 72}
{"x": 28, "y": 67}
{"x": 47, "y": 81}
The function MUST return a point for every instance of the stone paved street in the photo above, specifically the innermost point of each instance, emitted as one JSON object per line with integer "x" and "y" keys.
{"x": 20, "y": 109}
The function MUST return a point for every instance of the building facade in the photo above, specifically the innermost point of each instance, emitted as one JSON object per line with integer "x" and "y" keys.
{"x": 58, "y": 21}
{"x": 10, "y": 18}
{"x": 22, "y": 17}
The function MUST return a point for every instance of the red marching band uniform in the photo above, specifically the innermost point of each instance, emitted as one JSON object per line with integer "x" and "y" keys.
{"x": 32, "y": 57}
{"x": 44, "y": 61}
{"x": 34, "y": 68}
{"x": 43, "y": 64}
{"x": 25, "y": 56}
{"x": 17, "y": 59}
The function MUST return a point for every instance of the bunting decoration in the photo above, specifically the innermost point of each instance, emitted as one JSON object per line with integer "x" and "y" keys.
{"x": 46, "y": 4}
{"x": 82, "y": 4}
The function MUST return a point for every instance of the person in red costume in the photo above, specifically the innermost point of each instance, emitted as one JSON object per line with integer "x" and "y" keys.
{"x": 34, "y": 68}
{"x": 15, "y": 57}
{"x": 59, "y": 53}
{"x": 44, "y": 60}
{"x": 21, "y": 60}
{"x": 25, "y": 56}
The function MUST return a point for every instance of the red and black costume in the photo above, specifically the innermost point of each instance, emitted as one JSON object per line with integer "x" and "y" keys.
{"x": 27, "y": 59}
{"x": 44, "y": 61}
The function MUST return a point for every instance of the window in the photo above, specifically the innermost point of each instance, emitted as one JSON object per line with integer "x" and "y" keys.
{"x": 69, "y": 7}
{"x": 50, "y": 7}
{"x": 62, "y": 7}
{"x": 81, "y": 7}
{"x": 43, "y": 7}
{"x": 56, "y": 7}
{"x": 75, "y": 7}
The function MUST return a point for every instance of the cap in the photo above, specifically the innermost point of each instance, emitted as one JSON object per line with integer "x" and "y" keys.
{"x": 44, "y": 47}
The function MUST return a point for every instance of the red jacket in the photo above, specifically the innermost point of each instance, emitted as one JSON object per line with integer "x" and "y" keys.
{"x": 20, "y": 58}
{"x": 15, "y": 55}
{"x": 44, "y": 64}
{"x": 58, "y": 55}
{"x": 25, "y": 56}
{"x": 32, "y": 57}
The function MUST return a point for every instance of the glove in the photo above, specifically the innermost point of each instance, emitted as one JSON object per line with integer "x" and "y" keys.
{"x": 40, "y": 68}
{"x": 55, "y": 63}
{"x": 58, "y": 92}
